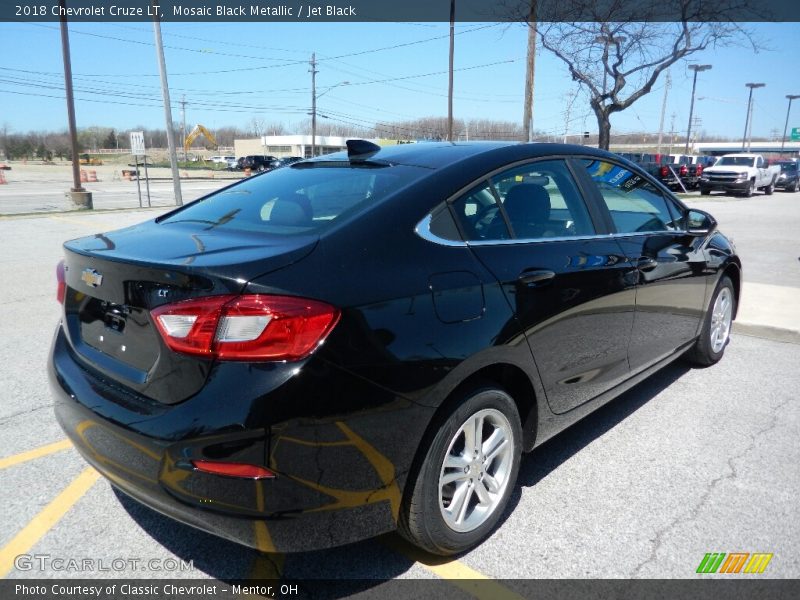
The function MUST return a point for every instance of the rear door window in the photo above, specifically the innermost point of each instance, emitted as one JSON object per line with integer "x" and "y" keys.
{"x": 532, "y": 201}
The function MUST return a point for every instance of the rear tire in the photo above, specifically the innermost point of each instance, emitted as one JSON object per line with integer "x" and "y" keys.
{"x": 770, "y": 189}
{"x": 716, "y": 329}
{"x": 461, "y": 487}
{"x": 704, "y": 192}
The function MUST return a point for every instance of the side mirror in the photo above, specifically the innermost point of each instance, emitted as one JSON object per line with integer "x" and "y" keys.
{"x": 699, "y": 222}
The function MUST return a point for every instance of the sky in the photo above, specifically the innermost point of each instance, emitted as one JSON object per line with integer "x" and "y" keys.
{"x": 230, "y": 73}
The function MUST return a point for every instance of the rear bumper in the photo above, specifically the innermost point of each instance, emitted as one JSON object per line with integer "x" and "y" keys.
{"x": 338, "y": 480}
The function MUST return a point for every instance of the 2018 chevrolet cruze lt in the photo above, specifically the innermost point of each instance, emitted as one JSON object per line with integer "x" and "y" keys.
{"x": 369, "y": 341}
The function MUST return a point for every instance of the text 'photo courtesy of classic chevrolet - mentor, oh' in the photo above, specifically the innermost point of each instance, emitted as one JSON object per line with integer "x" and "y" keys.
{"x": 370, "y": 340}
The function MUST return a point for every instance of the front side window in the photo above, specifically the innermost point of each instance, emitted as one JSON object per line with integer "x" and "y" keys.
{"x": 532, "y": 201}
{"x": 634, "y": 203}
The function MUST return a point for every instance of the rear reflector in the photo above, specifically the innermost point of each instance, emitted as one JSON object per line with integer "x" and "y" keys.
{"x": 252, "y": 327}
{"x": 61, "y": 290}
{"x": 227, "y": 469}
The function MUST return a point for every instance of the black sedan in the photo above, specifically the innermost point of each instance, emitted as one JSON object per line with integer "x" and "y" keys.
{"x": 369, "y": 341}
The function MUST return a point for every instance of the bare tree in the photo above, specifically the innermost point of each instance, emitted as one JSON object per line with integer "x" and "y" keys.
{"x": 617, "y": 49}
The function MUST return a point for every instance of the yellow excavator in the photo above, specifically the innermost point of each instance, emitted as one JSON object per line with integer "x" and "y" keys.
{"x": 195, "y": 133}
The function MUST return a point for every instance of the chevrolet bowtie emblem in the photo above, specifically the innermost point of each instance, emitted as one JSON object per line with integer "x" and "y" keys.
{"x": 91, "y": 278}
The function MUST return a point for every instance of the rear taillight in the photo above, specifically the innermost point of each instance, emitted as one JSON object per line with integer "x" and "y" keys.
{"x": 61, "y": 289}
{"x": 699, "y": 170}
{"x": 249, "y": 327}
{"x": 664, "y": 171}
{"x": 683, "y": 171}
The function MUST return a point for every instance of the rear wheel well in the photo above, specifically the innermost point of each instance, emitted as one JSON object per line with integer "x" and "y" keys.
{"x": 735, "y": 274}
{"x": 514, "y": 381}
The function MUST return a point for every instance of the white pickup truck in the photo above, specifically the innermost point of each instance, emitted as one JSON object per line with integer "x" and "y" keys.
{"x": 742, "y": 173}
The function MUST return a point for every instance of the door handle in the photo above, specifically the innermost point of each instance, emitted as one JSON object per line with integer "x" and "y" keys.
{"x": 646, "y": 263}
{"x": 536, "y": 277}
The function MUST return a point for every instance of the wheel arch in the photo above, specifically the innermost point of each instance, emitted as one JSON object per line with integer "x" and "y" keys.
{"x": 734, "y": 271}
{"x": 508, "y": 376}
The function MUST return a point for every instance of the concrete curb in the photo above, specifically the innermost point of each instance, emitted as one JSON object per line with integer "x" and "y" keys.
{"x": 775, "y": 334}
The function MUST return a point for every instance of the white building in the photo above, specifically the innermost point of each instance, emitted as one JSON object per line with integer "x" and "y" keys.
{"x": 294, "y": 145}
{"x": 289, "y": 145}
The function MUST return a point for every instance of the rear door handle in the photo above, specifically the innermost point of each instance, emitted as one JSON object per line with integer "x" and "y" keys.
{"x": 536, "y": 277}
{"x": 645, "y": 263}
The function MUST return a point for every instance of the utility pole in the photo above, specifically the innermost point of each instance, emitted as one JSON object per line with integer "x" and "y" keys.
{"x": 183, "y": 127}
{"x": 450, "y": 72}
{"x": 162, "y": 69}
{"x": 78, "y": 194}
{"x": 789, "y": 97}
{"x": 527, "y": 116}
{"x": 672, "y": 132}
{"x": 667, "y": 85}
{"x": 748, "y": 118}
{"x": 313, "y": 64}
{"x": 696, "y": 69}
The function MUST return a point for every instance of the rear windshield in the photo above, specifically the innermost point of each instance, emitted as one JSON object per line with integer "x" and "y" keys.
{"x": 299, "y": 199}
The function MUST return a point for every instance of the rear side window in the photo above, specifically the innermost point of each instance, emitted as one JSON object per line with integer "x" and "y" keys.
{"x": 635, "y": 205}
{"x": 298, "y": 199}
{"x": 533, "y": 201}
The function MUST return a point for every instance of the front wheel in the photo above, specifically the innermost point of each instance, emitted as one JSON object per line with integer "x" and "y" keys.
{"x": 716, "y": 330}
{"x": 751, "y": 187}
{"x": 462, "y": 484}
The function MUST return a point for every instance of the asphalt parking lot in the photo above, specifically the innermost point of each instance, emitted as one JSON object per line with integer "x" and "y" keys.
{"x": 689, "y": 462}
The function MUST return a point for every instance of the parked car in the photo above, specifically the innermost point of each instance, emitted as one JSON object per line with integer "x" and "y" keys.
{"x": 258, "y": 162}
{"x": 683, "y": 171}
{"x": 742, "y": 173}
{"x": 650, "y": 162}
{"x": 789, "y": 179}
{"x": 290, "y": 160}
{"x": 221, "y": 160}
{"x": 368, "y": 341}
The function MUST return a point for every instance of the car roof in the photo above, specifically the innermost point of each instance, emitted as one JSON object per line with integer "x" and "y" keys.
{"x": 434, "y": 155}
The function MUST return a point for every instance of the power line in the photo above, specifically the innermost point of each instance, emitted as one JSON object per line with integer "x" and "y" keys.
{"x": 251, "y": 68}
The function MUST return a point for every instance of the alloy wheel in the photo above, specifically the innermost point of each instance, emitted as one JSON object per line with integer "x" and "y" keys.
{"x": 476, "y": 470}
{"x": 721, "y": 317}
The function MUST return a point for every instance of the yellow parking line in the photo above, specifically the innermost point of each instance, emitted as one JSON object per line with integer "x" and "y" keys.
{"x": 47, "y": 518}
{"x": 10, "y": 461}
{"x": 466, "y": 578}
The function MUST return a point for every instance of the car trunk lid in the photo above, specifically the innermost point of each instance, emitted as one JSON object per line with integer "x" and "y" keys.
{"x": 113, "y": 281}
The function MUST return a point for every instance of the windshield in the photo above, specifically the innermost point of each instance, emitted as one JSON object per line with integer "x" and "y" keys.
{"x": 735, "y": 161}
{"x": 788, "y": 167}
{"x": 298, "y": 199}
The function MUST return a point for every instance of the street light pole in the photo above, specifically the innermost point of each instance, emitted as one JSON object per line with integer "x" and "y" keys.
{"x": 747, "y": 123}
{"x": 696, "y": 69}
{"x": 790, "y": 97}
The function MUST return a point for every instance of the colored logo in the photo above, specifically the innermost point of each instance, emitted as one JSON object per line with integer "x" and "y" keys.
{"x": 735, "y": 562}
